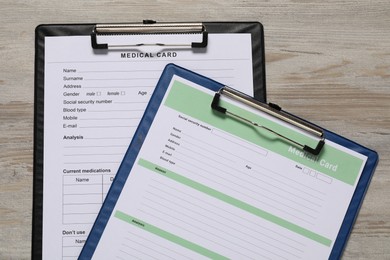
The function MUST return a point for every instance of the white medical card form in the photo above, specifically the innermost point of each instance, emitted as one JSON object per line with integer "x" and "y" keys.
{"x": 93, "y": 103}
{"x": 204, "y": 186}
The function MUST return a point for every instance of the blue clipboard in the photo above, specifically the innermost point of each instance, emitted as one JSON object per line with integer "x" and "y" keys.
{"x": 143, "y": 129}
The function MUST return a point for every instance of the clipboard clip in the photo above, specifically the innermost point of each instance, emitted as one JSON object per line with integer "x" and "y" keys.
{"x": 272, "y": 110}
{"x": 149, "y": 27}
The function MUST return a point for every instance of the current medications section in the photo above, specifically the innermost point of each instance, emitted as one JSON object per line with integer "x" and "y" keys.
{"x": 99, "y": 116}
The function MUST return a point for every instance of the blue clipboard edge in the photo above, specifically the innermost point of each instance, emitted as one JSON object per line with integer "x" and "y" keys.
{"x": 143, "y": 129}
{"x": 358, "y": 195}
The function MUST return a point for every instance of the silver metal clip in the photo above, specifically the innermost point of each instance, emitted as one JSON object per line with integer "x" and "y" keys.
{"x": 149, "y": 27}
{"x": 272, "y": 110}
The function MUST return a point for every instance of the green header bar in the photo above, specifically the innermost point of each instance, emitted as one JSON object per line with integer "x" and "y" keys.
{"x": 235, "y": 202}
{"x": 166, "y": 235}
{"x": 331, "y": 161}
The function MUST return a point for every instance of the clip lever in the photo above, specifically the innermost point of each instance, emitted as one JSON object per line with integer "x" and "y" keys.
{"x": 149, "y": 27}
{"x": 276, "y": 112}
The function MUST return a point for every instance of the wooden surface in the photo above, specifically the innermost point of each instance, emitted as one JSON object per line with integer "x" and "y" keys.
{"x": 327, "y": 61}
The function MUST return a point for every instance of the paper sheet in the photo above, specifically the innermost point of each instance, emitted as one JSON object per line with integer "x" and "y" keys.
{"x": 93, "y": 103}
{"x": 205, "y": 186}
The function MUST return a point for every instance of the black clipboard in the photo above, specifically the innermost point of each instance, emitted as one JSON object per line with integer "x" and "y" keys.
{"x": 94, "y": 31}
{"x": 215, "y": 114}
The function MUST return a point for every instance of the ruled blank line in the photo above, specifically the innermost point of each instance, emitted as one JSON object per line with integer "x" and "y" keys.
{"x": 132, "y": 102}
{"x": 128, "y": 254}
{"x": 192, "y": 199}
{"x": 145, "y": 246}
{"x": 261, "y": 180}
{"x": 117, "y": 71}
{"x": 111, "y": 79}
{"x": 95, "y": 146}
{"x": 150, "y": 241}
{"x": 197, "y": 228}
{"x": 81, "y": 203}
{"x": 187, "y": 230}
{"x": 202, "y": 216}
{"x": 93, "y": 154}
{"x": 245, "y": 194}
{"x": 111, "y": 118}
{"x": 107, "y": 126}
{"x": 118, "y": 110}
{"x": 98, "y": 162}
{"x": 107, "y": 138}
{"x": 222, "y": 235}
{"x": 262, "y": 167}
{"x": 122, "y": 87}
{"x": 79, "y": 213}
{"x": 257, "y": 186}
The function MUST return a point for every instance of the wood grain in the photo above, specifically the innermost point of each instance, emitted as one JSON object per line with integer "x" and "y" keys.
{"x": 327, "y": 61}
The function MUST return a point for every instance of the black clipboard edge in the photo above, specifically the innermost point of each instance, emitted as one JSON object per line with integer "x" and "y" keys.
{"x": 43, "y": 30}
{"x": 36, "y": 238}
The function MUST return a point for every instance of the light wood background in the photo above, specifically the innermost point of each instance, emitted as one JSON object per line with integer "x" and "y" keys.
{"x": 327, "y": 61}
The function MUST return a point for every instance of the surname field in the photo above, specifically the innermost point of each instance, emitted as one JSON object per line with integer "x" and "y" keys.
{"x": 239, "y": 143}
